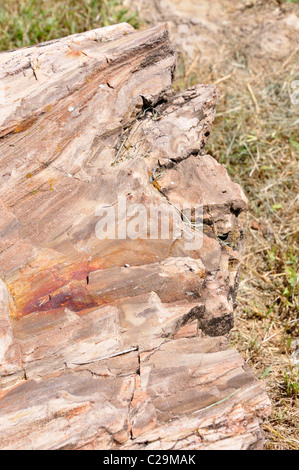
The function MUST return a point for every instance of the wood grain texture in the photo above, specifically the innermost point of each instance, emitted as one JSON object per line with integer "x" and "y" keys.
{"x": 115, "y": 343}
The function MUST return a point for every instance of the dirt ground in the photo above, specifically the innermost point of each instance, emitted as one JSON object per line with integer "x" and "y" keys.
{"x": 250, "y": 49}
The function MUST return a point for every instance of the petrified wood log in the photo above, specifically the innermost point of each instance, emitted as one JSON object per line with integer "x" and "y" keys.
{"x": 116, "y": 342}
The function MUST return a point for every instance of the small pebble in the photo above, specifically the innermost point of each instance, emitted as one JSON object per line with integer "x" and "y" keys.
{"x": 101, "y": 86}
{"x": 70, "y": 109}
{"x": 127, "y": 265}
{"x": 69, "y": 175}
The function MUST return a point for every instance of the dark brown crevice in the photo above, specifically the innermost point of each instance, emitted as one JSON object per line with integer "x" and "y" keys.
{"x": 217, "y": 326}
{"x": 175, "y": 161}
{"x": 132, "y": 398}
{"x": 139, "y": 361}
{"x": 151, "y": 105}
{"x": 25, "y": 374}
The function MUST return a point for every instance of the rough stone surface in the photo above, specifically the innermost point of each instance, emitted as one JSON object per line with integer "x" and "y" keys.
{"x": 116, "y": 343}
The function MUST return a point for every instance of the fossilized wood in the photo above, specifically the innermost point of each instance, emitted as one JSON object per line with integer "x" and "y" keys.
{"x": 115, "y": 343}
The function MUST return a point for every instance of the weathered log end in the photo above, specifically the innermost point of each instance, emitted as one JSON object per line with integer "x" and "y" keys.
{"x": 116, "y": 342}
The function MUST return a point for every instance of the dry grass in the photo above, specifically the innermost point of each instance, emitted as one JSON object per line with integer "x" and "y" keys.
{"x": 256, "y": 137}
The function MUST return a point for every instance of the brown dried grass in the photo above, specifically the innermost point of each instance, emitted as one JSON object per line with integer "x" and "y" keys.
{"x": 256, "y": 137}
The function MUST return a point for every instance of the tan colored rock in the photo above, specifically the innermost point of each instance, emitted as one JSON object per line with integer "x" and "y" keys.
{"x": 116, "y": 342}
